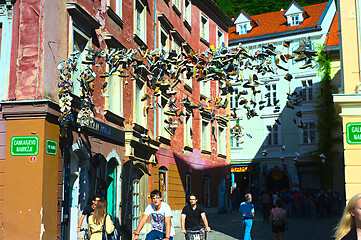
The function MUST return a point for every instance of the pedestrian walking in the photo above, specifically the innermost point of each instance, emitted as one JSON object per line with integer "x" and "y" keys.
{"x": 160, "y": 215}
{"x": 97, "y": 221}
{"x": 279, "y": 220}
{"x": 88, "y": 210}
{"x": 266, "y": 203}
{"x": 246, "y": 210}
{"x": 349, "y": 227}
{"x": 192, "y": 215}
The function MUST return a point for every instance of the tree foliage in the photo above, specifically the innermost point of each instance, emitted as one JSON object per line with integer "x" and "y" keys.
{"x": 255, "y": 7}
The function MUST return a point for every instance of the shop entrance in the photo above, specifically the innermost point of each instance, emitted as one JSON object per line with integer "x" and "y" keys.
{"x": 277, "y": 180}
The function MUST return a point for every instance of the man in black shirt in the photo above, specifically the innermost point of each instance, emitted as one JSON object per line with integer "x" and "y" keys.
{"x": 192, "y": 215}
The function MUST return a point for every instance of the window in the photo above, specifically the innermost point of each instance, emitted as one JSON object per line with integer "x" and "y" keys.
{"x": 140, "y": 20}
{"x": 136, "y": 194}
{"x": 309, "y": 133}
{"x": 220, "y": 37}
{"x": 187, "y": 184}
{"x": 272, "y": 138}
{"x": 119, "y": 8}
{"x": 307, "y": 90}
{"x": 163, "y": 102}
{"x": 177, "y": 4}
{"x": 206, "y": 135}
{"x": 163, "y": 40}
{"x": 235, "y": 141}
{"x": 242, "y": 29}
{"x": 163, "y": 182}
{"x": 115, "y": 91}
{"x": 233, "y": 99}
{"x": 188, "y": 138}
{"x": 177, "y": 46}
{"x": 295, "y": 20}
{"x": 80, "y": 44}
{"x": 187, "y": 11}
{"x": 221, "y": 140}
{"x": 204, "y": 27}
{"x": 139, "y": 105}
{"x": 271, "y": 94}
{"x": 206, "y": 192}
{"x": 205, "y": 88}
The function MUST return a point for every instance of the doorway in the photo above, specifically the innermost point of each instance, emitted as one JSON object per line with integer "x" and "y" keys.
{"x": 277, "y": 180}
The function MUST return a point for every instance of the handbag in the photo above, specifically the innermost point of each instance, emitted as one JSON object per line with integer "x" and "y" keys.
{"x": 105, "y": 235}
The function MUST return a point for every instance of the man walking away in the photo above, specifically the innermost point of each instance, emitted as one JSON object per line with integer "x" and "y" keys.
{"x": 192, "y": 214}
{"x": 246, "y": 210}
{"x": 266, "y": 203}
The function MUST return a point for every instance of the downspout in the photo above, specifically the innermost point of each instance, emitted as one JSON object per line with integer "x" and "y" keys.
{"x": 155, "y": 46}
{"x": 358, "y": 26}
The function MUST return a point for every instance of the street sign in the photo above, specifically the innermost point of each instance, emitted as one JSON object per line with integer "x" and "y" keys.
{"x": 353, "y": 133}
{"x": 51, "y": 147}
{"x": 32, "y": 159}
{"x": 24, "y": 146}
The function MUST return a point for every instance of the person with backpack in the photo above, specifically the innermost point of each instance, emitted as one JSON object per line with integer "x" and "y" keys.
{"x": 279, "y": 220}
{"x": 100, "y": 221}
{"x": 88, "y": 210}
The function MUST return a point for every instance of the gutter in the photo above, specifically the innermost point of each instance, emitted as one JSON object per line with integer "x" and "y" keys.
{"x": 275, "y": 35}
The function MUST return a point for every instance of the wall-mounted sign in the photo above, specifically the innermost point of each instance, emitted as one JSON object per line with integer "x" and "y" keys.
{"x": 32, "y": 159}
{"x": 24, "y": 146}
{"x": 51, "y": 147}
{"x": 239, "y": 169}
{"x": 353, "y": 133}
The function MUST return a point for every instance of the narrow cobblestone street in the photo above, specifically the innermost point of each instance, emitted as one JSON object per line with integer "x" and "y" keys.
{"x": 228, "y": 226}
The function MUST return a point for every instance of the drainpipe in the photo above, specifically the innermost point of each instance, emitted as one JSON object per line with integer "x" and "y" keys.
{"x": 155, "y": 46}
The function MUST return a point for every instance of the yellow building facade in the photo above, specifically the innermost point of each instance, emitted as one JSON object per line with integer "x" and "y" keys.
{"x": 348, "y": 101}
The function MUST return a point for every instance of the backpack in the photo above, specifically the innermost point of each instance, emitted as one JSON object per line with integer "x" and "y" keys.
{"x": 277, "y": 219}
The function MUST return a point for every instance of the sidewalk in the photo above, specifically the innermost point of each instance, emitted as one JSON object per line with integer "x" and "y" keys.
{"x": 228, "y": 226}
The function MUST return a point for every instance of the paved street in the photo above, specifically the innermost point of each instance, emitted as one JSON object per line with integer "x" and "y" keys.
{"x": 228, "y": 226}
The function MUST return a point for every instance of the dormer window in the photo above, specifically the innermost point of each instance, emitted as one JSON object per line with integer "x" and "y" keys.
{"x": 295, "y": 14}
{"x": 241, "y": 29}
{"x": 295, "y": 20}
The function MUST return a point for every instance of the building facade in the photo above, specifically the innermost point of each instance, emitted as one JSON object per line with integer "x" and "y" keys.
{"x": 86, "y": 109}
{"x": 348, "y": 99}
{"x": 274, "y": 121}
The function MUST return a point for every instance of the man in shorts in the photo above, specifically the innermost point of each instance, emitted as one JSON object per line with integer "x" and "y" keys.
{"x": 160, "y": 215}
{"x": 192, "y": 214}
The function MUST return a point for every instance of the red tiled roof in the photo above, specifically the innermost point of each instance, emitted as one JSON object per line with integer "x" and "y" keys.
{"x": 333, "y": 35}
{"x": 275, "y": 22}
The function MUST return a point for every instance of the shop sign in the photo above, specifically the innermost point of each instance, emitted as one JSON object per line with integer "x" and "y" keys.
{"x": 239, "y": 169}
{"x": 51, "y": 147}
{"x": 106, "y": 131}
{"x": 353, "y": 133}
{"x": 24, "y": 146}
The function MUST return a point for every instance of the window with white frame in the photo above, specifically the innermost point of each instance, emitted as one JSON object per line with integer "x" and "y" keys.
{"x": 272, "y": 138}
{"x": 307, "y": 90}
{"x": 187, "y": 11}
{"x": 233, "y": 99}
{"x": 221, "y": 140}
{"x": 235, "y": 140}
{"x": 205, "y": 88}
{"x": 140, "y": 20}
{"x": 164, "y": 107}
{"x": 188, "y": 139}
{"x": 295, "y": 20}
{"x": 176, "y": 46}
{"x": 115, "y": 92}
{"x": 163, "y": 40}
{"x": 271, "y": 94}
{"x": 81, "y": 43}
{"x": 163, "y": 181}
{"x": 241, "y": 28}
{"x": 140, "y": 89}
{"x": 309, "y": 133}
{"x": 136, "y": 203}
{"x": 5, "y": 49}
{"x": 220, "y": 37}
{"x": 177, "y": 4}
{"x": 204, "y": 27}
{"x": 206, "y": 135}
{"x": 119, "y": 8}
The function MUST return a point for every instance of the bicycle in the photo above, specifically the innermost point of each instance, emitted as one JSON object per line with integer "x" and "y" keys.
{"x": 200, "y": 234}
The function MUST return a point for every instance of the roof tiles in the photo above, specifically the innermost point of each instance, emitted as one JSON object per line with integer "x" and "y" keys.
{"x": 333, "y": 35}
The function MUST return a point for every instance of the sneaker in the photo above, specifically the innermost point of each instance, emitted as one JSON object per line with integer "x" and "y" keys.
{"x": 287, "y": 43}
{"x": 170, "y": 130}
{"x": 300, "y": 49}
{"x": 288, "y": 77}
{"x": 289, "y": 105}
{"x": 307, "y": 64}
{"x": 283, "y": 58}
{"x": 300, "y": 57}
